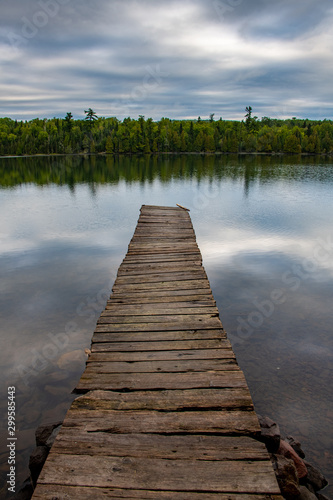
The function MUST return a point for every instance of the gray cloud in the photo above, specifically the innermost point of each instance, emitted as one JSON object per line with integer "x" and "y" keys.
{"x": 166, "y": 58}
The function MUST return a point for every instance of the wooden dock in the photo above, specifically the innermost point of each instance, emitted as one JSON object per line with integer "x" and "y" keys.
{"x": 165, "y": 411}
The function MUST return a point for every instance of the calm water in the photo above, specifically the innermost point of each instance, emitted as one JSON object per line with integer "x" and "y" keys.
{"x": 264, "y": 227}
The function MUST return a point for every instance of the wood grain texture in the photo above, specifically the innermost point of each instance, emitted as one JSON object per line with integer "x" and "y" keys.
{"x": 177, "y": 447}
{"x": 153, "y": 336}
{"x": 148, "y": 381}
{"x": 50, "y": 492}
{"x": 158, "y": 345}
{"x": 179, "y": 366}
{"x": 160, "y": 474}
{"x": 170, "y": 400}
{"x": 165, "y": 411}
{"x": 132, "y": 356}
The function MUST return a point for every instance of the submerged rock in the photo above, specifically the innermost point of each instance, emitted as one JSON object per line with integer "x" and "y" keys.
{"x": 296, "y": 445}
{"x": 44, "y": 432}
{"x": 287, "y": 451}
{"x": 54, "y": 434}
{"x": 26, "y": 492}
{"x": 37, "y": 460}
{"x": 72, "y": 361}
{"x": 270, "y": 433}
{"x": 320, "y": 496}
{"x": 306, "y": 494}
{"x": 315, "y": 477}
{"x": 287, "y": 477}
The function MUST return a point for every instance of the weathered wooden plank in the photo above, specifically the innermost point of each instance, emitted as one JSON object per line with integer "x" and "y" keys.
{"x": 183, "y": 227}
{"x": 167, "y": 221}
{"x": 221, "y": 422}
{"x": 158, "y": 221}
{"x": 152, "y": 381}
{"x": 162, "y": 258}
{"x": 103, "y": 355}
{"x": 147, "y": 248}
{"x": 46, "y": 492}
{"x": 173, "y": 309}
{"x": 139, "y": 242}
{"x": 140, "y": 269}
{"x": 169, "y": 212}
{"x": 169, "y": 217}
{"x": 189, "y": 284}
{"x": 50, "y": 492}
{"x": 172, "y": 223}
{"x": 183, "y": 247}
{"x": 156, "y": 260}
{"x": 162, "y": 297}
{"x": 150, "y": 213}
{"x": 147, "y": 214}
{"x": 151, "y": 260}
{"x": 160, "y": 244}
{"x": 165, "y": 229}
{"x": 150, "y": 336}
{"x": 166, "y": 295}
{"x": 158, "y": 446}
{"x": 160, "y": 207}
{"x": 163, "y": 220}
{"x": 160, "y": 345}
{"x": 193, "y": 307}
{"x": 108, "y": 316}
{"x": 160, "y": 277}
{"x": 209, "y": 324}
{"x": 163, "y": 366}
{"x": 171, "y": 400}
{"x": 175, "y": 235}
{"x": 176, "y": 232}
{"x": 137, "y": 249}
{"x": 162, "y": 214}
{"x": 151, "y": 208}
{"x": 159, "y": 474}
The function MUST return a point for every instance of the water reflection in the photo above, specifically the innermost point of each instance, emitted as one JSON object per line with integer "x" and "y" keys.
{"x": 97, "y": 170}
{"x": 65, "y": 226}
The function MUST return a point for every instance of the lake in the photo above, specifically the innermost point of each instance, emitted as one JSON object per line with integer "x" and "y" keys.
{"x": 264, "y": 227}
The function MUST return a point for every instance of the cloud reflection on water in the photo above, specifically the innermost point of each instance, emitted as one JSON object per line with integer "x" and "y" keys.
{"x": 61, "y": 247}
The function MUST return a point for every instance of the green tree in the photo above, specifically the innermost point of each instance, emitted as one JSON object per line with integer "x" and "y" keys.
{"x": 209, "y": 143}
{"x": 251, "y": 123}
{"x": 68, "y": 121}
{"x": 90, "y": 116}
{"x": 198, "y": 143}
{"x": 109, "y": 145}
{"x": 183, "y": 147}
{"x": 251, "y": 143}
{"x": 248, "y": 115}
{"x": 292, "y": 144}
{"x": 92, "y": 147}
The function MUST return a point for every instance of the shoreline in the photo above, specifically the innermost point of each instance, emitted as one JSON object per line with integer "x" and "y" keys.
{"x": 173, "y": 153}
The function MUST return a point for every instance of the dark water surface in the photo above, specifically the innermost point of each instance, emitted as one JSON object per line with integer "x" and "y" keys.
{"x": 264, "y": 227}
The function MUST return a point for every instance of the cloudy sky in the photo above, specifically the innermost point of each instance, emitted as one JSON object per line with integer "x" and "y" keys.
{"x": 179, "y": 59}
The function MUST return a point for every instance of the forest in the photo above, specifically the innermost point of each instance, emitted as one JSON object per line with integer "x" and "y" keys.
{"x": 94, "y": 134}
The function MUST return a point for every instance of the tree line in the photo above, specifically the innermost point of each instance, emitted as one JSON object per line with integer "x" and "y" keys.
{"x": 134, "y": 136}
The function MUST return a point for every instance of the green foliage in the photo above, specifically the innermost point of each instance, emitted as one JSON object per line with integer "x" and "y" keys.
{"x": 91, "y": 115}
{"x": 144, "y": 136}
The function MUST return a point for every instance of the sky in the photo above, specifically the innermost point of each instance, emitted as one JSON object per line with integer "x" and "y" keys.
{"x": 166, "y": 58}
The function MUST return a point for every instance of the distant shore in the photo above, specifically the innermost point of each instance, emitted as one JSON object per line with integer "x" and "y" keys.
{"x": 171, "y": 153}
